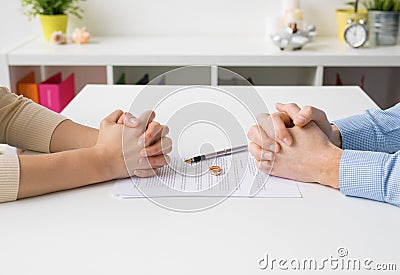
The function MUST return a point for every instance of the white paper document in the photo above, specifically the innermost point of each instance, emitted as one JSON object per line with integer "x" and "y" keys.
{"x": 240, "y": 178}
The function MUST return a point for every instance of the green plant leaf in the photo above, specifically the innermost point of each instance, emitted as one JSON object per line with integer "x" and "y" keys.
{"x": 32, "y": 8}
{"x": 387, "y": 5}
{"x": 396, "y": 6}
{"x": 378, "y": 4}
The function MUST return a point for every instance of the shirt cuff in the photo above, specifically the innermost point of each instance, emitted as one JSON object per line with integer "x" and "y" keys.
{"x": 9, "y": 178}
{"x": 361, "y": 174}
{"x": 357, "y": 133}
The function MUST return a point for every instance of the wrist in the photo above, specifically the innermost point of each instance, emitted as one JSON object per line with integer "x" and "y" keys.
{"x": 329, "y": 174}
{"x": 336, "y": 136}
{"x": 101, "y": 163}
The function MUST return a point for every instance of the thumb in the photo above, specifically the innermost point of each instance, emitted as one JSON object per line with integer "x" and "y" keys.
{"x": 113, "y": 117}
{"x": 309, "y": 113}
{"x": 129, "y": 120}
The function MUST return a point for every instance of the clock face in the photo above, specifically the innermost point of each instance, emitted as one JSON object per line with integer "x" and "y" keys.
{"x": 356, "y": 35}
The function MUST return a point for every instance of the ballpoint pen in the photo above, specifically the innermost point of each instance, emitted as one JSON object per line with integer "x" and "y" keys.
{"x": 217, "y": 154}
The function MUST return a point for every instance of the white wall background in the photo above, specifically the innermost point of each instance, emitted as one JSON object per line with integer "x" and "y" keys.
{"x": 171, "y": 17}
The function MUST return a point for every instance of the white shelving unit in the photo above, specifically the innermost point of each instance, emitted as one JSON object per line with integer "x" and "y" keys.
{"x": 105, "y": 59}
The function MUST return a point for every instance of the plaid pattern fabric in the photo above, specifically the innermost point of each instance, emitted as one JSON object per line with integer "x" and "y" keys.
{"x": 370, "y": 164}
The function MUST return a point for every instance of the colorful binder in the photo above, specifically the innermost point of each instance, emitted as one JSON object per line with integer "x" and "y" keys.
{"x": 27, "y": 87}
{"x": 55, "y": 94}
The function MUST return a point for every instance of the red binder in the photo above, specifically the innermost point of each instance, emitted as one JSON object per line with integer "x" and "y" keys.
{"x": 55, "y": 94}
{"x": 28, "y": 88}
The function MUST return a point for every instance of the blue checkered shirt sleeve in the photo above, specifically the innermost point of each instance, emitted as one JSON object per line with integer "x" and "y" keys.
{"x": 370, "y": 164}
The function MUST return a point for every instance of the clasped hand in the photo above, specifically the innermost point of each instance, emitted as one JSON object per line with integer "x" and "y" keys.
{"x": 132, "y": 146}
{"x": 297, "y": 143}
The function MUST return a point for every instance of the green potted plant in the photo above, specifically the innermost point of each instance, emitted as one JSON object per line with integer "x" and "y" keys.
{"x": 53, "y": 13}
{"x": 383, "y": 21}
{"x": 344, "y": 16}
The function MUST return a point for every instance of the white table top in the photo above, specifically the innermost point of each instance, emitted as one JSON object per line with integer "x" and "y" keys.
{"x": 87, "y": 231}
{"x": 178, "y": 51}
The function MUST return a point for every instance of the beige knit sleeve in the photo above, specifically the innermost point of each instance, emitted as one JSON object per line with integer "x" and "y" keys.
{"x": 9, "y": 178}
{"x": 23, "y": 124}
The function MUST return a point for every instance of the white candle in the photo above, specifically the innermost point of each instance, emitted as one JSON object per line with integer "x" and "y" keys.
{"x": 290, "y": 5}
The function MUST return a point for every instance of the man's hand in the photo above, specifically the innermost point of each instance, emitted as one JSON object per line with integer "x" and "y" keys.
{"x": 311, "y": 157}
{"x": 290, "y": 115}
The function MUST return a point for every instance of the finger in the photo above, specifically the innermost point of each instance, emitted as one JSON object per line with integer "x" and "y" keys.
{"x": 145, "y": 118}
{"x": 260, "y": 137}
{"x": 163, "y": 146}
{"x": 259, "y": 153}
{"x": 275, "y": 125}
{"x": 291, "y": 109}
{"x": 154, "y": 162}
{"x": 121, "y": 119}
{"x": 130, "y": 120}
{"x": 145, "y": 173}
{"x": 309, "y": 113}
{"x": 113, "y": 117}
{"x": 264, "y": 165}
{"x": 153, "y": 133}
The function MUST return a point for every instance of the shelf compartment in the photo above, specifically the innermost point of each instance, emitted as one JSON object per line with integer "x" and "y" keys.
{"x": 270, "y": 76}
{"x": 382, "y": 84}
{"x": 196, "y": 75}
{"x": 83, "y": 74}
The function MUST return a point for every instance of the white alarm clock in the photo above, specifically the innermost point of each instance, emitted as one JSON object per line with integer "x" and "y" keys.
{"x": 356, "y": 34}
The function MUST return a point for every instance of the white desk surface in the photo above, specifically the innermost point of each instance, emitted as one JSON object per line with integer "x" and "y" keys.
{"x": 178, "y": 51}
{"x": 87, "y": 231}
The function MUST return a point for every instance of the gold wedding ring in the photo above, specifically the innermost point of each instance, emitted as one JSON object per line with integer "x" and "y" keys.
{"x": 215, "y": 170}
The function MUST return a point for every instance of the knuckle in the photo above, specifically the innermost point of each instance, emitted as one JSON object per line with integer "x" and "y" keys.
{"x": 167, "y": 150}
{"x": 261, "y": 116}
{"x": 274, "y": 116}
{"x": 150, "y": 151}
{"x": 254, "y": 128}
{"x": 166, "y": 142}
{"x": 165, "y": 130}
{"x": 144, "y": 174}
{"x": 147, "y": 137}
{"x": 138, "y": 173}
{"x": 278, "y": 123}
{"x": 103, "y": 122}
{"x": 308, "y": 110}
{"x": 154, "y": 162}
{"x": 252, "y": 132}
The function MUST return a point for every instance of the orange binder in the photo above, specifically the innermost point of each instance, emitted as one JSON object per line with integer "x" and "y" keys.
{"x": 28, "y": 88}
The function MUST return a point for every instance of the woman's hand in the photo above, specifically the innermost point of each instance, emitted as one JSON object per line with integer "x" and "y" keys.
{"x": 154, "y": 141}
{"x": 130, "y": 145}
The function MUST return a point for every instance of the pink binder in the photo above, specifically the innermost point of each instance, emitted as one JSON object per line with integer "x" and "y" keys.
{"x": 55, "y": 94}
